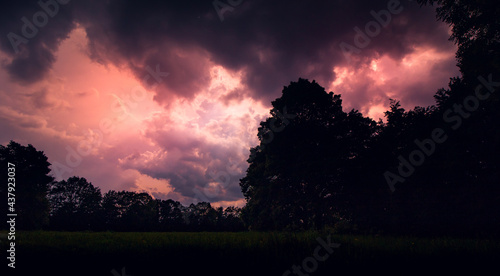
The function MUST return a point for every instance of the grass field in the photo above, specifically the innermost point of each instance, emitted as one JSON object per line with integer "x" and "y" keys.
{"x": 244, "y": 253}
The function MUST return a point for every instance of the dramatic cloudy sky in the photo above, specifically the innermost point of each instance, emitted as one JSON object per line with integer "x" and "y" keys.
{"x": 166, "y": 96}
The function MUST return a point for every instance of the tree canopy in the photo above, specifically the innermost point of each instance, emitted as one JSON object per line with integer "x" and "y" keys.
{"x": 297, "y": 179}
{"x": 427, "y": 170}
{"x": 32, "y": 180}
{"x": 75, "y": 204}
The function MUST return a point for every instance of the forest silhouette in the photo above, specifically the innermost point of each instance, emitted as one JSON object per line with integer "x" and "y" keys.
{"x": 426, "y": 171}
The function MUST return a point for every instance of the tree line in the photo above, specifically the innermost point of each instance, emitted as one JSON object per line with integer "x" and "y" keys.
{"x": 77, "y": 205}
{"x": 429, "y": 170}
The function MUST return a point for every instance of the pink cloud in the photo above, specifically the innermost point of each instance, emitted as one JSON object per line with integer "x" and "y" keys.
{"x": 191, "y": 131}
{"x": 413, "y": 80}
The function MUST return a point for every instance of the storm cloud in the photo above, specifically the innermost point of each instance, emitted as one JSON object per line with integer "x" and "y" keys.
{"x": 172, "y": 48}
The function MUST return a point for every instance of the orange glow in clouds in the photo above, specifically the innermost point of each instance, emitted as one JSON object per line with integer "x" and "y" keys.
{"x": 135, "y": 143}
{"x": 110, "y": 100}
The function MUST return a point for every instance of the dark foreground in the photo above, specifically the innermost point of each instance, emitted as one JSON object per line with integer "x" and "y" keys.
{"x": 247, "y": 253}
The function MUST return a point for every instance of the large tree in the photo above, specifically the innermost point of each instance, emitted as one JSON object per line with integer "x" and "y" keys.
{"x": 231, "y": 219}
{"x": 75, "y": 204}
{"x": 170, "y": 215}
{"x": 202, "y": 217}
{"x": 469, "y": 111}
{"x": 476, "y": 30}
{"x": 300, "y": 175}
{"x": 130, "y": 211}
{"x": 31, "y": 184}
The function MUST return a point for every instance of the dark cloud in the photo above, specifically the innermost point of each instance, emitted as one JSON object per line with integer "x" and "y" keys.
{"x": 31, "y": 36}
{"x": 274, "y": 42}
{"x": 270, "y": 42}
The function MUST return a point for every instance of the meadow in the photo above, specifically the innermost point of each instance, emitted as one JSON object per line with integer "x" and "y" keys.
{"x": 243, "y": 253}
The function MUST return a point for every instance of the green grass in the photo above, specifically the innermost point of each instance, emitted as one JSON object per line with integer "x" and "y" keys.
{"x": 244, "y": 253}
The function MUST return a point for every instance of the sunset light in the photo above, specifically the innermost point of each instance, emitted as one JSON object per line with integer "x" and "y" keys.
{"x": 249, "y": 137}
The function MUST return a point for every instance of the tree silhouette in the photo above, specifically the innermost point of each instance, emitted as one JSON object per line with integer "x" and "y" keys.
{"x": 300, "y": 178}
{"x": 32, "y": 179}
{"x": 326, "y": 165}
{"x": 75, "y": 204}
{"x": 468, "y": 164}
{"x": 476, "y": 31}
{"x": 129, "y": 211}
{"x": 170, "y": 215}
{"x": 231, "y": 219}
{"x": 201, "y": 217}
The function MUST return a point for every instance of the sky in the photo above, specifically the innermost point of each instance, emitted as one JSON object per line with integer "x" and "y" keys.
{"x": 165, "y": 97}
